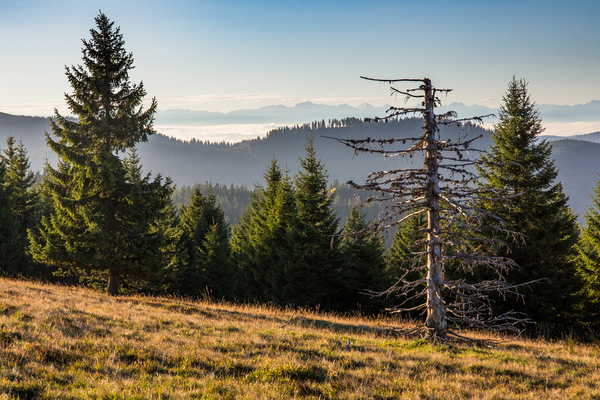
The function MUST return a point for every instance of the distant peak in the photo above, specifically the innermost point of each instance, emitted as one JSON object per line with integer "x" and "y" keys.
{"x": 305, "y": 104}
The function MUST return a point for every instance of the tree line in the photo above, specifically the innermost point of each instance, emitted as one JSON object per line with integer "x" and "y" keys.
{"x": 97, "y": 218}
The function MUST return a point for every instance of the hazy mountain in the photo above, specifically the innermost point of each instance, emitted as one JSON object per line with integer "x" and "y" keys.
{"x": 244, "y": 163}
{"x": 578, "y": 112}
{"x": 307, "y": 111}
{"x": 31, "y": 131}
{"x": 588, "y": 137}
{"x": 578, "y": 161}
{"x": 578, "y": 164}
{"x": 279, "y": 114}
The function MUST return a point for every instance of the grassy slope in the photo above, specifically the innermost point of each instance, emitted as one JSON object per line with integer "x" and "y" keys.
{"x": 71, "y": 343}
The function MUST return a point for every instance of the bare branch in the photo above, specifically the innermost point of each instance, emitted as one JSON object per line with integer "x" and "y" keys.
{"x": 391, "y": 80}
{"x": 456, "y": 222}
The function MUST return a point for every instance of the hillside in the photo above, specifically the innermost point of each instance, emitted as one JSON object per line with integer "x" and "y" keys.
{"x": 578, "y": 163}
{"x": 65, "y": 342}
{"x": 244, "y": 163}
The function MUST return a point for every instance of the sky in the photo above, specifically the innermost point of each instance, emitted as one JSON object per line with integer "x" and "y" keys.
{"x": 222, "y": 55}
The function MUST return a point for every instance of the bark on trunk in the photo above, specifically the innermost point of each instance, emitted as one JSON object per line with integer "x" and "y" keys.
{"x": 114, "y": 283}
{"x": 436, "y": 309}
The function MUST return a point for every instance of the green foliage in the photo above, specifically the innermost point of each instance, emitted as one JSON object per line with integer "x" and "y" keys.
{"x": 589, "y": 263}
{"x": 364, "y": 264}
{"x": 8, "y": 225}
{"x": 18, "y": 208}
{"x": 263, "y": 243}
{"x": 233, "y": 200}
{"x": 402, "y": 261}
{"x": 520, "y": 165}
{"x": 104, "y": 212}
{"x": 408, "y": 240}
{"x": 205, "y": 245}
{"x": 316, "y": 271}
{"x": 283, "y": 245}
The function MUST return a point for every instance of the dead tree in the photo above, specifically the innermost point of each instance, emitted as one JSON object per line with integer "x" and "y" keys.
{"x": 458, "y": 231}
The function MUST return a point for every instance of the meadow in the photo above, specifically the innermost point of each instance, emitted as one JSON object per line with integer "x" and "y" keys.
{"x": 60, "y": 342}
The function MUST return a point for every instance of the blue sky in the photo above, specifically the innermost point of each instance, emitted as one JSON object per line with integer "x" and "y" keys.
{"x": 225, "y": 55}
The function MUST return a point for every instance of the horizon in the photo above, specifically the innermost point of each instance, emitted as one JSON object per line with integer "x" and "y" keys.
{"x": 236, "y": 125}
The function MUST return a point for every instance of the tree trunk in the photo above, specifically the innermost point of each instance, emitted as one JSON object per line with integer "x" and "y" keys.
{"x": 436, "y": 308}
{"x": 114, "y": 283}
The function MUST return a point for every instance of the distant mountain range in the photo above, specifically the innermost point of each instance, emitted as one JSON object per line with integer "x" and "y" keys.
{"x": 243, "y": 163}
{"x": 279, "y": 114}
{"x": 307, "y": 111}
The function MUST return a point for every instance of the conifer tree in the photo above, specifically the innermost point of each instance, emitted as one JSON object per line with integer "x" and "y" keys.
{"x": 205, "y": 243}
{"x": 263, "y": 243}
{"x": 8, "y": 226}
{"x": 406, "y": 260}
{"x": 363, "y": 267}
{"x": 146, "y": 202}
{"x": 589, "y": 263}
{"x": 521, "y": 165}
{"x": 94, "y": 223}
{"x": 18, "y": 182}
{"x": 318, "y": 261}
{"x": 172, "y": 254}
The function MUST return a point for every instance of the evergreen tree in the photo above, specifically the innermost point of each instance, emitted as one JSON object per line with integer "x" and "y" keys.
{"x": 18, "y": 182}
{"x": 264, "y": 242}
{"x": 318, "y": 262}
{"x": 205, "y": 243}
{"x": 8, "y": 226}
{"x": 146, "y": 203}
{"x": 283, "y": 245}
{"x": 172, "y": 254}
{"x": 97, "y": 200}
{"x": 403, "y": 261}
{"x": 589, "y": 263}
{"x": 364, "y": 264}
{"x": 520, "y": 165}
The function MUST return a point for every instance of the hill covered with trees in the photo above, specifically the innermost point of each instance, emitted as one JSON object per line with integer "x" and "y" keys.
{"x": 243, "y": 163}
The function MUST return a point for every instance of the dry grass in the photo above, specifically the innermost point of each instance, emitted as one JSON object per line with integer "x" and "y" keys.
{"x": 72, "y": 343}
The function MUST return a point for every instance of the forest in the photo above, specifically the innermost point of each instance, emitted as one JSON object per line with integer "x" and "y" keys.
{"x": 295, "y": 239}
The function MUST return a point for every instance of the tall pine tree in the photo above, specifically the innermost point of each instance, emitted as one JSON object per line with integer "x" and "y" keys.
{"x": 520, "y": 165}
{"x": 94, "y": 225}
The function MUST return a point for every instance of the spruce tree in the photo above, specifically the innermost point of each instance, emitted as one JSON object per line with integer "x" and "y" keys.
{"x": 520, "y": 164}
{"x": 264, "y": 242}
{"x": 589, "y": 263}
{"x": 8, "y": 226}
{"x": 94, "y": 223}
{"x": 172, "y": 254}
{"x": 363, "y": 267}
{"x": 147, "y": 200}
{"x": 406, "y": 260}
{"x": 18, "y": 182}
{"x": 205, "y": 243}
{"x": 318, "y": 261}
